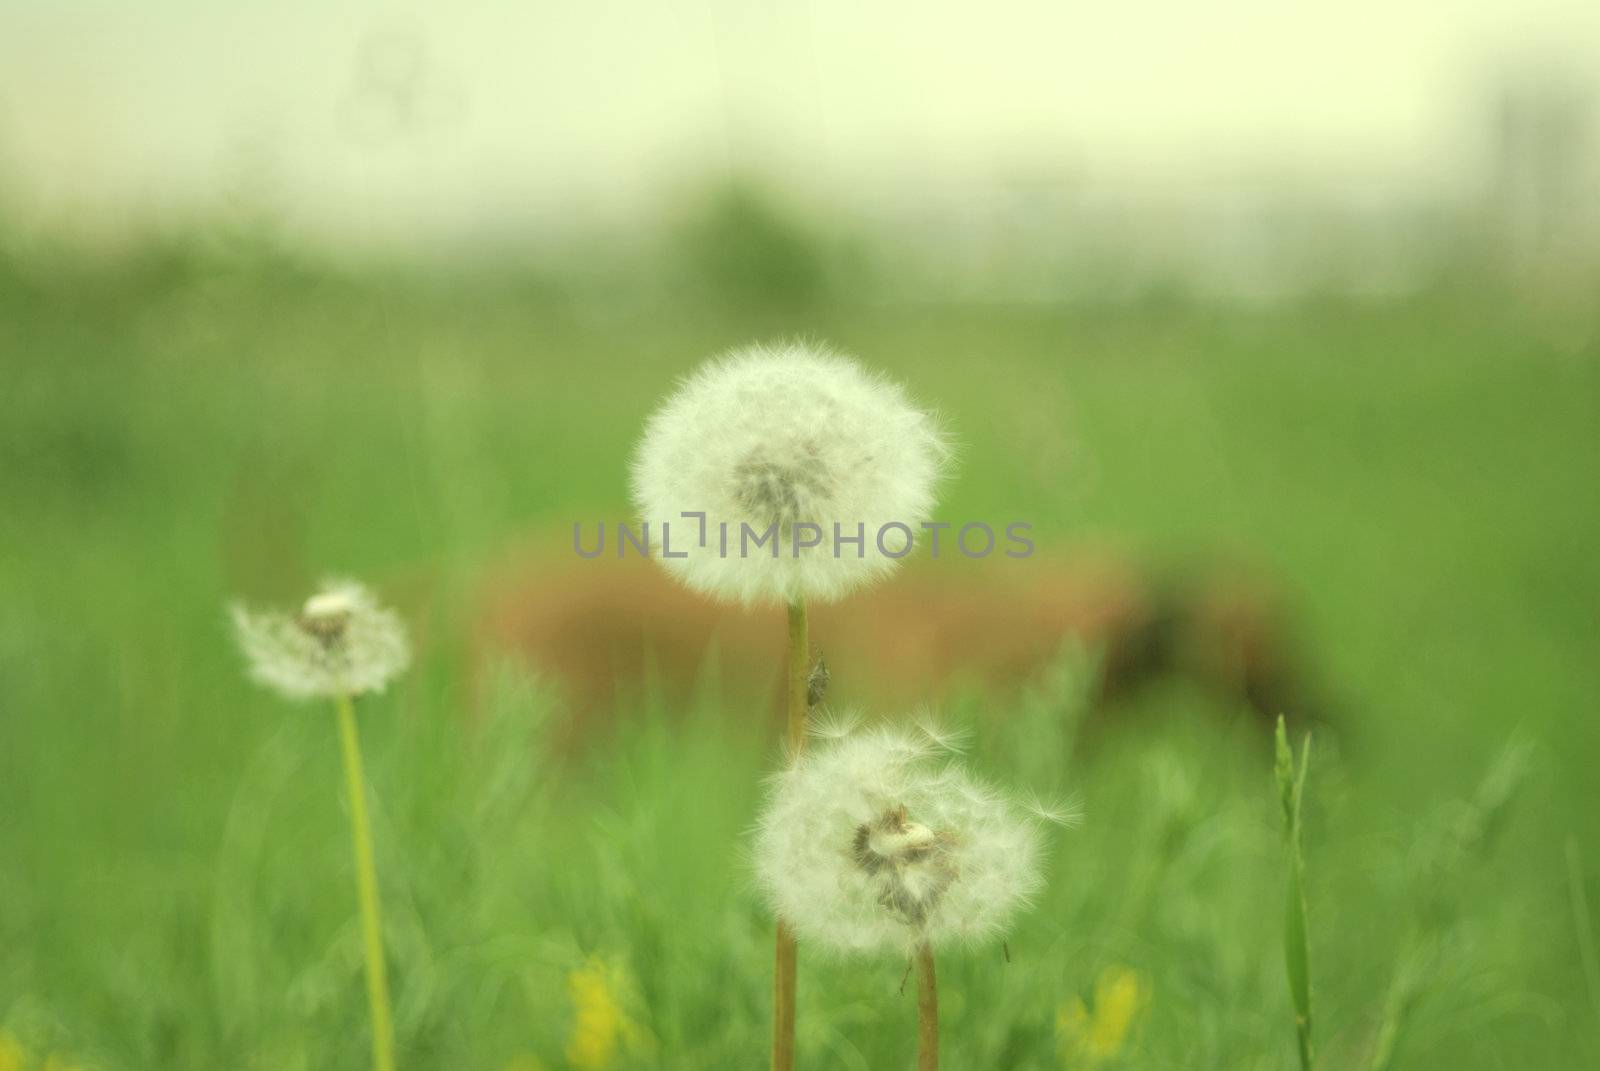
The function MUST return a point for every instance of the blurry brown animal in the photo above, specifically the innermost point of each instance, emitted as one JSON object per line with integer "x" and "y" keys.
{"x": 605, "y": 628}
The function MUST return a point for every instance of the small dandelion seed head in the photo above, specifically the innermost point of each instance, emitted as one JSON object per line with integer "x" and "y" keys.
{"x": 875, "y": 841}
{"x": 770, "y": 437}
{"x": 341, "y": 642}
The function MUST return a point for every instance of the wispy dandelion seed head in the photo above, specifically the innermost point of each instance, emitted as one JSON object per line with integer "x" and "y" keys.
{"x": 341, "y": 642}
{"x": 770, "y": 437}
{"x": 879, "y": 840}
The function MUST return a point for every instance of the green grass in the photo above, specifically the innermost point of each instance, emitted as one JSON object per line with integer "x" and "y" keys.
{"x": 175, "y": 888}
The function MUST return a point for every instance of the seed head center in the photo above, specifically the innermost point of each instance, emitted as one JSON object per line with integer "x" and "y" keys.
{"x": 909, "y": 864}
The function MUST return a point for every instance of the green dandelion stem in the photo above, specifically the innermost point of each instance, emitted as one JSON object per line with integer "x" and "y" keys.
{"x": 799, "y": 677}
{"x": 1296, "y": 944}
{"x": 367, "y": 888}
{"x": 783, "y": 993}
{"x": 785, "y": 955}
{"x": 927, "y": 1010}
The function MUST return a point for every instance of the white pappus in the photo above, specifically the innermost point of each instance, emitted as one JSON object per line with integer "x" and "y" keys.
{"x": 878, "y": 840}
{"x": 342, "y": 642}
{"x": 771, "y": 437}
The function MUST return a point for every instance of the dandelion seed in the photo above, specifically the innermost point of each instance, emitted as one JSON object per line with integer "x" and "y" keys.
{"x": 940, "y": 735}
{"x": 870, "y": 843}
{"x": 772, "y": 437}
{"x": 1061, "y": 812}
{"x": 831, "y": 725}
{"x": 340, "y": 643}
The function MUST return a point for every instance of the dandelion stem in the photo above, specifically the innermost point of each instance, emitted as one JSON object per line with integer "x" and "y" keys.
{"x": 927, "y": 1010}
{"x": 785, "y": 956}
{"x": 1291, "y": 777}
{"x": 367, "y": 887}
{"x": 783, "y": 985}
{"x": 799, "y": 677}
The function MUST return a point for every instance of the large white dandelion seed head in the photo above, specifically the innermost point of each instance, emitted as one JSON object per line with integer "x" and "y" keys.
{"x": 342, "y": 642}
{"x": 771, "y": 437}
{"x": 880, "y": 841}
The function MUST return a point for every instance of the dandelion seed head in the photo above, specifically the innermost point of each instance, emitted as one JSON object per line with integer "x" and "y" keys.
{"x": 772, "y": 437}
{"x": 875, "y": 841}
{"x": 341, "y": 642}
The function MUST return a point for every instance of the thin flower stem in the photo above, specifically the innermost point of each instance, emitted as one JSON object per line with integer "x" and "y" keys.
{"x": 1291, "y": 777}
{"x": 785, "y": 955}
{"x": 783, "y": 986}
{"x": 927, "y": 1010}
{"x": 367, "y": 887}
{"x": 799, "y": 677}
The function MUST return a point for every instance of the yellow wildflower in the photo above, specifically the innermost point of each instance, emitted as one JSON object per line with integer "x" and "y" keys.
{"x": 12, "y": 1056}
{"x": 1092, "y": 1034}
{"x": 599, "y": 1025}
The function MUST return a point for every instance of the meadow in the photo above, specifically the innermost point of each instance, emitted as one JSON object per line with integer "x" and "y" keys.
{"x": 175, "y": 889}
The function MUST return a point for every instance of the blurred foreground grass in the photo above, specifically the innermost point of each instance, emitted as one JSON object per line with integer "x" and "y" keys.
{"x": 174, "y": 891}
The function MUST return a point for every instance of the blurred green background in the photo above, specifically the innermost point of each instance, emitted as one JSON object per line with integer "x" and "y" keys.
{"x": 265, "y": 349}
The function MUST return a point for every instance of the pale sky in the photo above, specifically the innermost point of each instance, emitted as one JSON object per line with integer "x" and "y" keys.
{"x": 445, "y": 118}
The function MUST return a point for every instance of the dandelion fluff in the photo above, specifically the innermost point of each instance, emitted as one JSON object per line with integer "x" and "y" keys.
{"x": 880, "y": 841}
{"x": 342, "y": 642}
{"x": 771, "y": 437}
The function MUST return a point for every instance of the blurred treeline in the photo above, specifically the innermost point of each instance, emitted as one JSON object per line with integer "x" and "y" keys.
{"x": 1516, "y": 216}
